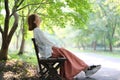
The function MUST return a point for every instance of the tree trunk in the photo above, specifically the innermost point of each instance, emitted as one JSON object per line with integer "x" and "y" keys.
{"x": 110, "y": 46}
{"x": 6, "y": 39}
{"x": 4, "y": 51}
{"x": 94, "y": 45}
{"x": 22, "y": 46}
{"x": 17, "y": 40}
{"x": 21, "y": 51}
{"x": 104, "y": 44}
{"x": 3, "y": 54}
{"x": 83, "y": 46}
{"x": 5, "y": 43}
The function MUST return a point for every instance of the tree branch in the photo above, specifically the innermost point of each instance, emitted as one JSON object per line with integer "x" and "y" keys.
{"x": 14, "y": 9}
{"x": 38, "y": 6}
{"x": 1, "y": 29}
{"x": 26, "y": 6}
{"x": 14, "y": 27}
{"x": 32, "y": 4}
{"x": 20, "y": 3}
{"x": 6, "y": 22}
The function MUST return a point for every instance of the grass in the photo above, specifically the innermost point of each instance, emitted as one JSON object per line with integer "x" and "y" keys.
{"x": 115, "y": 54}
{"x": 31, "y": 57}
{"x": 27, "y": 57}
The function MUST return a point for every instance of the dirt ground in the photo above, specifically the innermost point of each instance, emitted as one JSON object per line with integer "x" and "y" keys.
{"x": 17, "y": 70}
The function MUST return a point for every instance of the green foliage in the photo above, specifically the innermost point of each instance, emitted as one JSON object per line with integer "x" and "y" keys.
{"x": 59, "y": 13}
{"x": 1, "y": 12}
{"x": 54, "y": 12}
{"x": 81, "y": 10}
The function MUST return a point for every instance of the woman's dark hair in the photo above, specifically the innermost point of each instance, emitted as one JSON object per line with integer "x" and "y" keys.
{"x": 31, "y": 23}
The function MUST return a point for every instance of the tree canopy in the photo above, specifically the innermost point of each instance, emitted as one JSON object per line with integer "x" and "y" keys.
{"x": 53, "y": 13}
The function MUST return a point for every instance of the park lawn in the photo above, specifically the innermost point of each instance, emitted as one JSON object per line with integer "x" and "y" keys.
{"x": 108, "y": 53}
{"x": 29, "y": 58}
{"x": 115, "y": 54}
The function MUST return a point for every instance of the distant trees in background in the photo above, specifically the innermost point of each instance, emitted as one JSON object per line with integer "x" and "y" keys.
{"x": 103, "y": 27}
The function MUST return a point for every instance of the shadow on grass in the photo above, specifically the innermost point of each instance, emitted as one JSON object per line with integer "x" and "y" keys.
{"x": 17, "y": 70}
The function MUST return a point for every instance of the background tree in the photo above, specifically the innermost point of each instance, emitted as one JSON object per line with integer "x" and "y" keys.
{"x": 6, "y": 32}
{"x": 112, "y": 18}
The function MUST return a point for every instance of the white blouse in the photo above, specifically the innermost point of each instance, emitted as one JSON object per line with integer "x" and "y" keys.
{"x": 44, "y": 45}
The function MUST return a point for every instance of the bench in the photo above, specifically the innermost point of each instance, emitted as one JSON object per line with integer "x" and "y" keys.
{"x": 50, "y": 68}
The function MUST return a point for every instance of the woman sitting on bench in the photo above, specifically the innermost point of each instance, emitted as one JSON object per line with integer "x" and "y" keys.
{"x": 72, "y": 66}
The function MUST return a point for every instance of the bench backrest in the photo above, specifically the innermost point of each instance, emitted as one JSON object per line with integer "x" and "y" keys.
{"x": 36, "y": 51}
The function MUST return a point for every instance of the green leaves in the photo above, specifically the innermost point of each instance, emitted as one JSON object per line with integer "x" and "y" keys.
{"x": 60, "y": 13}
{"x": 81, "y": 9}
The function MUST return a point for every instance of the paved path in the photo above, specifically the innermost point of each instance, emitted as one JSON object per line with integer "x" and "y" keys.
{"x": 110, "y": 67}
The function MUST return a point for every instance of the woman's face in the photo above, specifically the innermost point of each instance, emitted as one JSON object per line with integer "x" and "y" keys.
{"x": 37, "y": 20}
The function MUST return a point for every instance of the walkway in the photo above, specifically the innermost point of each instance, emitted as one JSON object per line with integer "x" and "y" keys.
{"x": 110, "y": 67}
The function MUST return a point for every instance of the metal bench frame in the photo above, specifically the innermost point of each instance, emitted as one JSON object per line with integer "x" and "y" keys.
{"x": 50, "y": 68}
